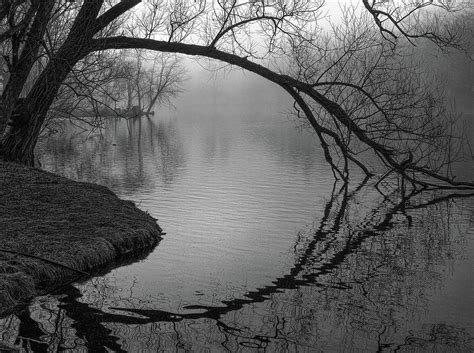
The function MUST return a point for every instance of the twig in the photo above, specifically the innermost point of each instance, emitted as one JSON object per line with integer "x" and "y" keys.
{"x": 45, "y": 260}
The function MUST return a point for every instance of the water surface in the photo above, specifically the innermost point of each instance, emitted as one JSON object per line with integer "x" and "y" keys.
{"x": 262, "y": 252}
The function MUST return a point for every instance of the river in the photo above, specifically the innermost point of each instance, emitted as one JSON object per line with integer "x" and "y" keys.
{"x": 262, "y": 252}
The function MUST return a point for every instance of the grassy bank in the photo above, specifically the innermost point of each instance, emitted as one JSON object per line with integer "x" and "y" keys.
{"x": 53, "y": 229}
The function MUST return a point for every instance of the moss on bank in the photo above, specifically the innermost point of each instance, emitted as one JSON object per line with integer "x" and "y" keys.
{"x": 77, "y": 225}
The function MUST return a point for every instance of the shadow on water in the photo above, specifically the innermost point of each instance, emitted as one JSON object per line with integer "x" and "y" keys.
{"x": 71, "y": 314}
{"x": 356, "y": 279}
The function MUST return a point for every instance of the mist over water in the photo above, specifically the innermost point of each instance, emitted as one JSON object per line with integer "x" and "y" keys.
{"x": 262, "y": 251}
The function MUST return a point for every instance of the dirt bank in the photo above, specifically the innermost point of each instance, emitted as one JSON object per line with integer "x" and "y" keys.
{"x": 53, "y": 229}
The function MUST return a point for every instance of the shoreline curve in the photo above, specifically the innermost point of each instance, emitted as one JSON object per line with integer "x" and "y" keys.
{"x": 53, "y": 229}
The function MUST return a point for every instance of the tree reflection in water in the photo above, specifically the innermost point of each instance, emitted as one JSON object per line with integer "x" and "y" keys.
{"x": 132, "y": 153}
{"x": 360, "y": 280}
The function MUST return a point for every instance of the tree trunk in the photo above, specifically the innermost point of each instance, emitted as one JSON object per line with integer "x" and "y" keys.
{"x": 21, "y": 68}
{"x": 20, "y": 142}
{"x": 153, "y": 100}
{"x": 22, "y": 131}
{"x": 129, "y": 96}
{"x": 24, "y": 127}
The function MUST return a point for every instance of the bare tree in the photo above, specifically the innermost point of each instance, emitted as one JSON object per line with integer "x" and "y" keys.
{"x": 163, "y": 80}
{"x": 349, "y": 78}
{"x": 401, "y": 113}
{"x": 87, "y": 92}
{"x": 152, "y": 79}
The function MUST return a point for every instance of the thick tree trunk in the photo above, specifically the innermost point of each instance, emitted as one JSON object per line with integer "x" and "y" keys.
{"x": 21, "y": 135}
{"x": 22, "y": 131}
{"x": 25, "y": 125}
{"x": 22, "y": 66}
{"x": 21, "y": 140}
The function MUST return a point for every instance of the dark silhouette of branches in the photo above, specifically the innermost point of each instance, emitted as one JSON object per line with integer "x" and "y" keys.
{"x": 324, "y": 252}
{"x": 352, "y": 78}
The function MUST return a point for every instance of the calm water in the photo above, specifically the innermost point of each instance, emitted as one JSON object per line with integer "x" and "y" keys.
{"x": 262, "y": 252}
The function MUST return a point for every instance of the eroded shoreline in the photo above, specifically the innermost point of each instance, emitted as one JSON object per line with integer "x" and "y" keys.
{"x": 53, "y": 228}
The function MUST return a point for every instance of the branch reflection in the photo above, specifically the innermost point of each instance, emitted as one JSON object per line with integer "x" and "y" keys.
{"x": 132, "y": 153}
{"x": 359, "y": 278}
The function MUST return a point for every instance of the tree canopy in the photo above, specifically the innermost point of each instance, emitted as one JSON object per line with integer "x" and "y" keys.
{"x": 353, "y": 77}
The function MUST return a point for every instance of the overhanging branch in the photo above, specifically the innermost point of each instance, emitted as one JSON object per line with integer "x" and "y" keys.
{"x": 385, "y": 153}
